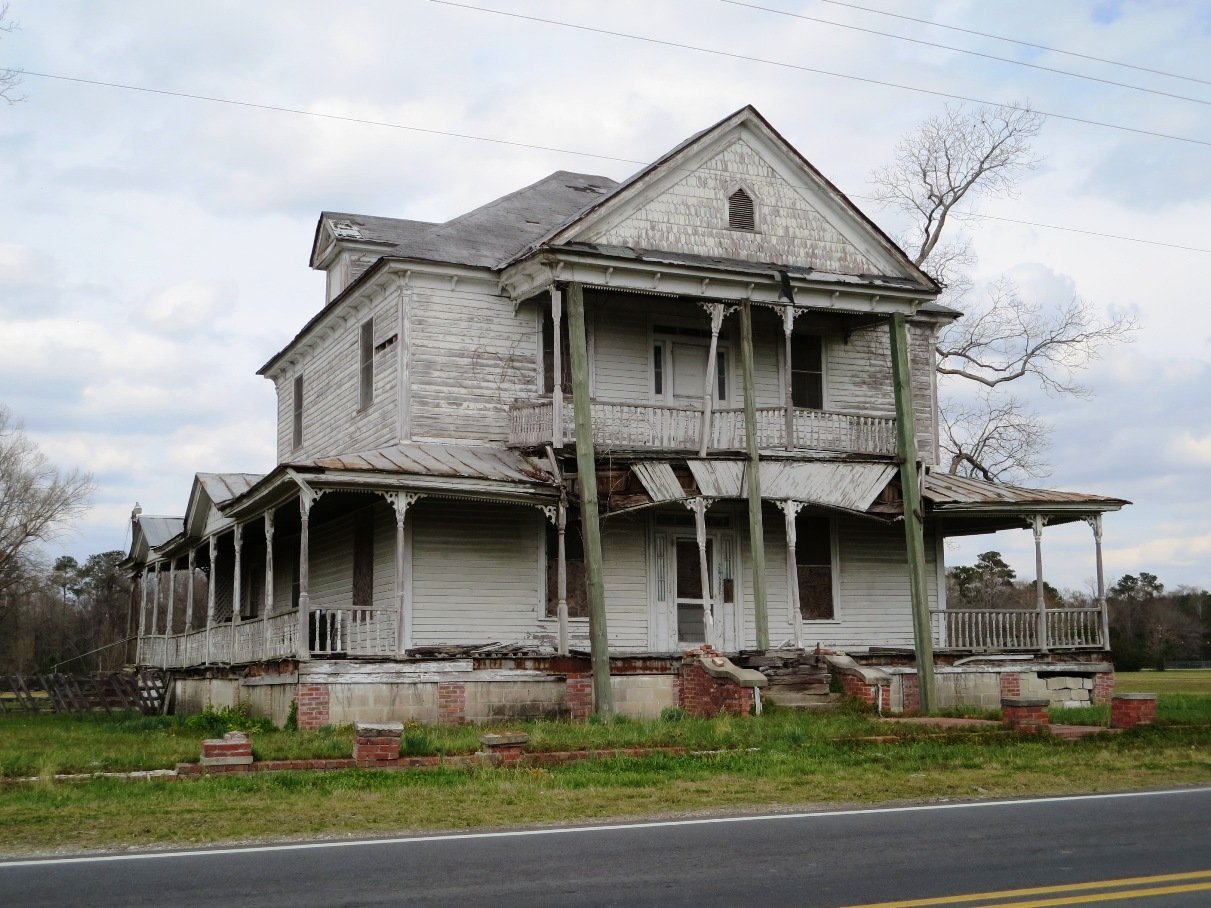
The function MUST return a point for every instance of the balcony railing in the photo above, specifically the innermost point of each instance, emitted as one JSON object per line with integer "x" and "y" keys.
{"x": 657, "y": 426}
{"x": 1008, "y": 630}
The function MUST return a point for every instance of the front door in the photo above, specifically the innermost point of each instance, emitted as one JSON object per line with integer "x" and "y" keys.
{"x": 691, "y": 626}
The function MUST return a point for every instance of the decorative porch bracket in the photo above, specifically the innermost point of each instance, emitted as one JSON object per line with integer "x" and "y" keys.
{"x": 1036, "y": 523}
{"x": 790, "y": 510}
{"x": 789, "y": 314}
{"x": 307, "y": 499}
{"x": 718, "y": 312}
{"x": 914, "y": 530}
{"x": 400, "y": 502}
{"x": 558, "y": 515}
{"x": 699, "y": 506}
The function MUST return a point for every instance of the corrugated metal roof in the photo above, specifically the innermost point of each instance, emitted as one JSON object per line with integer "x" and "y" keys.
{"x": 658, "y": 480}
{"x": 851, "y": 486}
{"x": 223, "y": 487}
{"x": 848, "y": 486}
{"x": 948, "y": 491}
{"x": 455, "y": 461}
{"x": 158, "y": 530}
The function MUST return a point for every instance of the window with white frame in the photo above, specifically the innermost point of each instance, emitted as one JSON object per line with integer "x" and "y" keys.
{"x": 679, "y": 363}
{"x": 807, "y": 371}
{"x": 814, "y": 564}
{"x": 365, "y": 365}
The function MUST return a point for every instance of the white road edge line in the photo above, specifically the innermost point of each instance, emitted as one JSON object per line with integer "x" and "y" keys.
{"x": 569, "y": 830}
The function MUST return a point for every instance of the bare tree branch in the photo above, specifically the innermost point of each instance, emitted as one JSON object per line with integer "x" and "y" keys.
{"x": 36, "y": 499}
{"x": 1008, "y": 338}
{"x": 962, "y": 151}
{"x": 993, "y": 437}
{"x": 948, "y": 160}
{"x": 9, "y": 78}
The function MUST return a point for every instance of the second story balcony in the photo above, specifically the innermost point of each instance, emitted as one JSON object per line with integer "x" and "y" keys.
{"x": 633, "y": 426}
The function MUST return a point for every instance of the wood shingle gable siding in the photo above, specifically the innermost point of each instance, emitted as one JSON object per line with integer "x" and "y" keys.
{"x": 692, "y": 216}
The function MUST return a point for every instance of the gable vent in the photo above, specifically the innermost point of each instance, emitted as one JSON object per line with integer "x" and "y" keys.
{"x": 740, "y": 211}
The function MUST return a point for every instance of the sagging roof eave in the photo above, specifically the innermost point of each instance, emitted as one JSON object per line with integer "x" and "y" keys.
{"x": 282, "y": 484}
{"x": 765, "y": 273}
{"x": 1098, "y": 506}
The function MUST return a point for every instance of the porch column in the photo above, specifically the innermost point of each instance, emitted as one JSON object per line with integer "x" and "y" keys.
{"x": 753, "y": 475}
{"x": 213, "y": 548}
{"x": 142, "y": 609}
{"x": 791, "y": 510}
{"x": 914, "y": 530}
{"x": 268, "y": 605}
{"x": 172, "y": 603}
{"x": 699, "y": 506}
{"x": 401, "y": 501}
{"x": 1036, "y": 524}
{"x": 586, "y": 476}
{"x": 789, "y": 314}
{"x": 237, "y": 540}
{"x": 303, "y": 643}
{"x": 717, "y": 312}
{"x": 556, "y": 369}
{"x": 1095, "y": 523}
{"x": 155, "y": 605}
{"x": 561, "y": 576}
{"x": 191, "y": 566}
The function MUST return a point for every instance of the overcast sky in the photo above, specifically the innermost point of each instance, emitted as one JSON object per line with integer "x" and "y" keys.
{"x": 153, "y": 248}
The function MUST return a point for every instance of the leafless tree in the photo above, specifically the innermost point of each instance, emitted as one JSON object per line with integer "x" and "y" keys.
{"x": 940, "y": 169}
{"x": 9, "y": 78}
{"x": 37, "y": 500}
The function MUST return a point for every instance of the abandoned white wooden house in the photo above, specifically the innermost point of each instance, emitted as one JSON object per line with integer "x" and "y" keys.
{"x": 714, "y": 341}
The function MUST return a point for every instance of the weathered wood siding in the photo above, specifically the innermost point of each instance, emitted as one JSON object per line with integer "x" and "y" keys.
{"x": 475, "y": 572}
{"x": 471, "y": 356}
{"x": 333, "y": 422}
{"x": 692, "y": 216}
{"x": 873, "y": 607}
{"x": 331, "y": 544}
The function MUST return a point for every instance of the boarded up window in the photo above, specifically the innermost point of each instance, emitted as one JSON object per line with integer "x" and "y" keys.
{"x": 814, "y": 561}
{"x": 807, "y": 371}
{"x": 296, "y": 433}
{"x": 365, "y": 394}
{"x": 578, "y": 593}
{"x": 740, "y": 213}
{"x": 363, "y": 559}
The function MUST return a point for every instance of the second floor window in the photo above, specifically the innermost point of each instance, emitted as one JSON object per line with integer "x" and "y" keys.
{"x": 365, "y": 395}
{"x": 679, "y": 362}
{"x": 296, "y": 433}
{"x": 807, "y": 371}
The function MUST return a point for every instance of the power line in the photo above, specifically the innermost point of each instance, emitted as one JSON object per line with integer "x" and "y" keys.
{"x": 823, "y": 72}
{"x": 1054, "y": 50}
{"x": 963, "y": 50}
{"x": 323, "y": 116}
{"x": 277, "y": 108}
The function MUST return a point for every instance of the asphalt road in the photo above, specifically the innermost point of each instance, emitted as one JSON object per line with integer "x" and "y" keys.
{"x": 827, "y": 859}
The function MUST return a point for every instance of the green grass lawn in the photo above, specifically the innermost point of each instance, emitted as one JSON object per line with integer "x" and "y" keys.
{"x": 1173, "y": 681}
{"x": 777, "y": 760}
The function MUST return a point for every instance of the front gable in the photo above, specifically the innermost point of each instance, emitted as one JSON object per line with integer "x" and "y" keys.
{"x": 680, "y": 204}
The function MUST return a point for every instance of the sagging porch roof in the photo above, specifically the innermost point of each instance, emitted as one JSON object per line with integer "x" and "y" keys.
{"x": 957, "y": 505}
{"x": 451, "y": 471}
{"x": 839, "y": 486}
{"x": 964, "y": 506}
